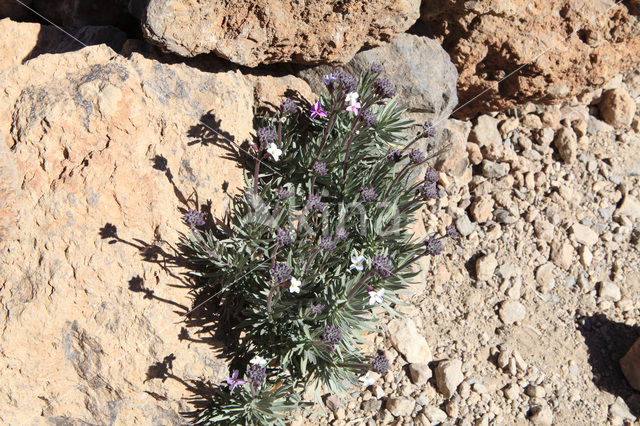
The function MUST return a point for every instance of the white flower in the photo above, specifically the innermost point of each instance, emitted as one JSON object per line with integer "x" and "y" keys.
{"x": 376, "y": 296}
{"x": 368, "y": 379}
{"x": 258, "y": 360}
{"x": 357, "y": 262}
{"x": 274, "y": 151}
{"x": 351, "y": 98}
{"x": 295, "y": 285}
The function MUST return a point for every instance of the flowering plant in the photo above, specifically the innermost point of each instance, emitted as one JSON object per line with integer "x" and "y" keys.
{"x": 318, "y": 240}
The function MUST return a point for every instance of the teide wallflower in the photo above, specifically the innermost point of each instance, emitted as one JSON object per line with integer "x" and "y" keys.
{"x": 317, "y": 111}
{"x": 380, "y": 365}
{"x": 376, "y": 296}
{"x": 342, "y": 234}
{"x": 384, "y": 88}
{"x": 294, "y": 287}
{"x": 315, "y": 308}
{"x": 332, "y": 334}
{"x": 258, "y": 360}
{"x": 394, "y": 155}
{"x": 368, "y": 193}
{"x": 288, "y": 106}
{"x": 354, "y": 108}
{"x": 274, "y": 151}
{"x": 376, "y": 67}
{"x": 281, "y": 272}
{"x": 266, "y": 136}
{"x": 234, "y": 381}
{"x": 429, "y": 191}
{"x": 320, "y": 168}
{"x": 256, "y": 375}
{"x": 382, "y": 265}
{"x": 452, "y": 232}
{"x": 357, "y": 263}
{"x": 428, "y": 130}
{"x": 434, "y": 246}
{"x": 283, "y": 237}
{"x": 431, "y": 175}
{"x": 368, "y": 379}
{"x": 194, "y": 218}
{"x": 416, "y": 156}
{"x": 351, "y": 98}
{"x": 314, "y": 203}
{"x": 327, "y": 243}
{"x": 368, "y": 117}
{"x": 283, "y": 194}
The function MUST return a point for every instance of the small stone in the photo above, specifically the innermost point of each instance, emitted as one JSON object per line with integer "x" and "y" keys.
{"x": 385, "y": 417}
{"x": 566, "y": 142}
{"x": 371, "y": 405}
{"x": 544, "y": 229}
{"x": 545, "y": 137}
{"x": 630, "y": 207}
{"x": 482, "y": 208}
{"x": 474, "y": 153}
{"x": 609, "y": 291}
{"x": 541, "y": 415}
{"x": 511, "y": 391}
{"x": 562, "y": 254}
{"x": 544, "y": 277}
{"x": 512, "y": 311}
{"x": 485, "y": 267}
{"x": 630, "y": 365}
{"x": 449, "y": 376}
{"x": 420, "y": 373}
{"x": 400, "y": 406}
{"x": 464, "y": 225}
{"x": 333, "y": 402}
{"x": 620, "y": 409}
{"x": 585, "y": 256}
{"x": 493, "y": 170}
{"x": 535, "y": 391}
{"x": 532, "y": 121}
{"x": 404, "y": 336}
{"x": 583, "y": 234}
{"x": 485, "y": 132}
{"x": 617, "y": 108}
{"x": 435, "y": 414}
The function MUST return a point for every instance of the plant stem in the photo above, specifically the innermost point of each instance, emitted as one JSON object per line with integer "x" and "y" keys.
{"x": 256, "y": 174}
{"x": 196, "y": 234}
{"x": 358, "y": 286}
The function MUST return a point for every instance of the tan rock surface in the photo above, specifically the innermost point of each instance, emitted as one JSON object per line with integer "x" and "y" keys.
{"x": 253, "y": 32}
{"x": 79, "y": 133}
{"x": 586, "y": 44}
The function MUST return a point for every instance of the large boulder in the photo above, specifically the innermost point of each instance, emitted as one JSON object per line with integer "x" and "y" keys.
{"x": 555, "y": 48}
{"x": 99, "y": 157}
{"x": 253, "y": 32}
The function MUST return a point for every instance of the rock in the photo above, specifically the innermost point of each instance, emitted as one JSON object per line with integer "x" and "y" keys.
{"x": 630, "y": 365}
{"x": 484, "y": 52}
{"x": 464, "y": 225}
{"x": 566, "y": 142}
{"x": 629, "y": 207}
{"x": 535, "y": 391}
{"x": 421, "y": 70}
{"x": 400, "y": 407}
{"x": 449, "y": 376}
{"x": 485, "y": 132}
{"x": 585, "y": 256}
{"x": 620, "y": 409}
{"x": 609, "y": 291}
{"x": 474, "y": 153}
{"x": 482, "y": 208}
{"x": 583, "y": 234}
{"x": 333, "y": 402}
{"x": 420, "y": 373}
{"x": 485, "y": 267}
{"x": 404, "y": 336}
{"x": 93, "y": 145}
{"x": 562, "y": 254}
{"x": 371, "y": 405}
{"x": 544, "y": 229}
{"x": 434, "y": 414}
{"x": 617, "y": 108}
{"x": 512, "y": 311}
{"x": 544, "y": 277}
{"x": 492, "y": 170}
{"x": 454, "y": 160}
{"x": 251, "y": 33}
{"x": 511, "y": 391}
{"x": 541, "y": 415}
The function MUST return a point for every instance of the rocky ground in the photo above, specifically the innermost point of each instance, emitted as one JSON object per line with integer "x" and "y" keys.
{"x": 525, "y": 319}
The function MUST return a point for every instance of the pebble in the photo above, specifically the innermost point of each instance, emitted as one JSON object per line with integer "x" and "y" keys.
{"x": 371, "y": 405}
{"x": 482, "y": 208}
{"x": 617, "y": 108}
{"x": 511, "y": 391}
{"x": 562, "y": 254}
{"x": 493, "y": 170}
{"x": 620, "y": 409}
{"x": 333, "y": 402}
{"x": 535, "y": 391}
{"x": 486, "y": 266}
{"x": 545, "y": 137}
{"x": 485, "y": 132}
{"x": 583, "y": 234}
{"x": 544, "y": 229}
{"x": 449, "y": 376}
{"x": 398, "y": 406}
{"x": 435, "y": 414}
{"x": 629, "y": 207}
{"x": 420, "y": 373}
{"x": 609, "y": 291}
{"x": 630, "y": 365}
{"x": 566, "y": 142}
{"x": 464, "y": 225}
{"x": 544, "y": 277}
{"x": 541, "y": 415}
{"x": 404, "y": 336}
{"x": 511, "y": 311}
{"x": 586, "y": 257}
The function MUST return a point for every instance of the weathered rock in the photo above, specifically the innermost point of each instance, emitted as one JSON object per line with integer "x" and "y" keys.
{"x": 454, "y": 160}
{"x": 449, "y": 376}
{"x": 512, "y": 311}
{"x": 566, "y": 142}
{"x": 547, "y": 42}
{"x": 485, "y": 267}
{"x": 544, "y": 277}
{"x": 482, "y": 208}
{"x": 609, "y": 291}
{"x": 464, "y": 225}
{"x": 434, "y": 414}
{"x": 629, "y": 207}
{"x": 421, "y": 70}
{"x": 399, "y": 406}
{"x": 251, "y": 32}
{"x": 617, "y": 107}
{"x": 486, "y": 132}
{"x": 619, "y": 409}
{"x": 90, "y": 138}
{"x": 562, "y": 254}
{"x": 541, "y": 415}
{"x": 404, "y": 336}
{"x": 333, "y": 402}
{"x": 583, "y": 234}
{"x": 493, "y": 170}
{"x": 420, "y": 373}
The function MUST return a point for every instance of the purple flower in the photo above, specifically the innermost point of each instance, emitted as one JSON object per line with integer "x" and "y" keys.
{"x": 233, "y": 381}
{"x": 376, "y": 67}
{"x": 317, "y": 111}
{"x": 429, "y": 191}
{"x": 283, "y": 194}
{"x": 431, "y": 175}
{"x": 329, "y": 79}
{"x": 327, "y": 243}
{"x": 332, "y": 334}
{"x": 266, "y": 135}
{"x": 452, "y": 232}
{"x": 320, "y": 168}
{"x": 368, "y": 193}
{"x": 428, "y": 130}
{"x": 382, "y": 265}
{"x": 348, "y": 82}
{"x": 342, "y": 234}
{"x": 384, "y": 88}
{"x": 380, "y": 365}
{"x": 394, "y": 155}
{"x": 314, "y": 203}
{"x": 416, "y": 156}
{"x": 283, "y": 237}
{"x": 257, "y": 375}
{"x": 194, "y": 218}
{"x": 288, "y": 106}
{"x": 368, "y": 117}
{"x": 434, "y": 246}
{"x": 315, "y": 308}
{"x": 281, "y": 272}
